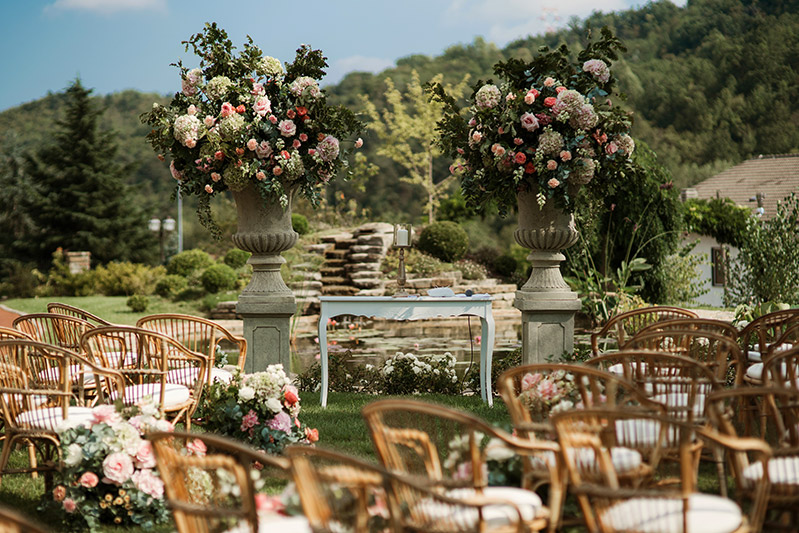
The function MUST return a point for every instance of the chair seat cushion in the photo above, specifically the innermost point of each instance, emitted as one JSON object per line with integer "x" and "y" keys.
{"x": 174, "y": 394}
{"x": 755, "y": 371}
{"x": 52, "y": 417}
{"x": 754, "y": 356}
{"x": 187, "y": 376}
{"x": 643, "y": 433}
{"x": 707, "y": 513}
{"x": 679, "y": 401}
{"x": 781, "y": 470}
{"x": 495, "y": 515}
{"x": 272, "y": 523}
{"x": 624, "y": 460}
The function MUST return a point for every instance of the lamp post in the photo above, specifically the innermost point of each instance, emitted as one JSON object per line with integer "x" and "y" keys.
{"x": 161, "y": 228}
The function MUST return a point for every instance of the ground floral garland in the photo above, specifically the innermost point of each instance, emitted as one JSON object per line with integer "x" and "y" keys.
{"x": 245, "y": 119}
{"x": 550, "y": 128}
{"x": 108, "y": 473}
{"x": 261, "y": 409}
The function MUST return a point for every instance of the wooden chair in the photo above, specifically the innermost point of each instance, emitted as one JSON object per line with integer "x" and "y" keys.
{"x": 451, "y": 448}
{"x": 774, "y": 422}
{"x": 585, "y": 387}
{"x": 720, "y": 353}
{"x": 69, "y": 310}
{"x": 214, "y": 486}
{"x": 153, "y": 365}
{"x": 780, "y": 369}
{"x": 13, "y": 522}
{"x": 755, "y": 373}
{"x": 58, "y": 330}
{"x": 340, "y": 492}
{"x": 198, "y": 335}
{"x": 620, "y": 328}
{"x": 719, "y": 327}
{"x": 11, "y": 333}
{"x": 609, "y": 508}
{"x": 37, "y": 396}
{"x": 757, "y": 336}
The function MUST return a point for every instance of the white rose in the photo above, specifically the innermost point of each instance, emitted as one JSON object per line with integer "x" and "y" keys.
{"x": 74, "y": 455}
{"x": 496, "y": 450}
{"x": 274, "y": 405}
{"x": 246, "y": 393}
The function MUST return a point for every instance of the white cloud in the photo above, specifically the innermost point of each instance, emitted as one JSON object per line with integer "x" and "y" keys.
{"x": 507, "y": 20}
{"x": 339, "y": 68}
{"x": 107, "y": 6}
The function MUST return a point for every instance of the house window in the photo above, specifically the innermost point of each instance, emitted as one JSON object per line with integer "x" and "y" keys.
{"x": 719, "y": 265}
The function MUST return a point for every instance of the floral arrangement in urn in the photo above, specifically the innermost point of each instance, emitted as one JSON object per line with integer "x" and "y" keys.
{"x": 249, "y": 119}
{"x": 261, "y": 409}
{"x": 108, "y": 473}
{"x": 549, "y": 127}
{"x": 546, "y": 394}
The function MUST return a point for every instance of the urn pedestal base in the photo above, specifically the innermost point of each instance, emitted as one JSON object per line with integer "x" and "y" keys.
{"x": 267, "y": 329}
{"x": 547, "y": 324}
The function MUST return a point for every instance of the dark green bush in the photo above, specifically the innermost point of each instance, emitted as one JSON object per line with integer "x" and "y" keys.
{"x": 218, "y": 278}
{"x": 236, "y": 258}
{"x": 300, "y": 223}
{"x": 170, "y": 286}
{"x": 138, "y": 303}
{"x": 505, "y": 265}
{"x": 19, "y": 280}
{"x": 445, "y": 240}
{"x": 184, "y": 263}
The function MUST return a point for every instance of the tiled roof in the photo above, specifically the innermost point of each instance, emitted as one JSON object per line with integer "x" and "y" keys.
{"x": 776, "y": 176}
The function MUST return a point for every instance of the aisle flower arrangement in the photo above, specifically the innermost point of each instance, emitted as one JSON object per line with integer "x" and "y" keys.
{"x": 544, "y": 395}
{"x": 249, "y": 119}
{"x": 108, "y": 474}
{"x": 261, "y": 409}
{"x": 548, "y": 126}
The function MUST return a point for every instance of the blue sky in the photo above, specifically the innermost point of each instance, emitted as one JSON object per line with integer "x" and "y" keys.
{"x": 115, "y": 45}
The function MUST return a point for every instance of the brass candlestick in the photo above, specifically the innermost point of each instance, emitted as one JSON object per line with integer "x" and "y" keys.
{"x": 403, "y": 235}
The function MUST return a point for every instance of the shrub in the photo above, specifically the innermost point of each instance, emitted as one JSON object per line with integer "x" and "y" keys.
{"x": 471, "y": 270}
{"x": 445, "y": 240}
{"x": 138, "y": 303}
{"x": 505, "y": 265}
{"x": 184, "y": 263}
{"x": 121, "y": 279}
{"x": 170, "y": 286}
{"x": 20, "y": 280}
{"x": 416, "y": 262}
{"x": 218, "y": 278}
{"x": 300, "y": 223}
{"x": 236, "y": 258}
{"x": 409, "y": 374}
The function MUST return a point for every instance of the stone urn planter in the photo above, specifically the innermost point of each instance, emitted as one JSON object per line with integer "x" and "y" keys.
{"x": 266, "y": 304}
{"x": 547, "y": 303}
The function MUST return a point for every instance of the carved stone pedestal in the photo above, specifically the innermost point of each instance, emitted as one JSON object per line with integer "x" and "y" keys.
{"x": 547, "y": 303}
{"x": 266, "y": 304}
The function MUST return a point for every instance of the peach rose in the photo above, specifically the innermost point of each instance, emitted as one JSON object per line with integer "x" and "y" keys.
{"x": 59, "y": 493}
{"x": 89, "y": 480}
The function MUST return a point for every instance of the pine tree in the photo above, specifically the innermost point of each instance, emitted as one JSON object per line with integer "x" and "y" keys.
{"x": 80, "y": 200}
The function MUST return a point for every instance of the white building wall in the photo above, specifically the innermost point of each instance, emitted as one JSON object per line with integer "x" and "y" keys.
{"x": 714, "y": 297}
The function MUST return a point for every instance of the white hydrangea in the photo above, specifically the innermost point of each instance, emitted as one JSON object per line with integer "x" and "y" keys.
{"x": 74, "y": 455}
{"x": 270, "y": 67}
{"x": 218, "y": 87}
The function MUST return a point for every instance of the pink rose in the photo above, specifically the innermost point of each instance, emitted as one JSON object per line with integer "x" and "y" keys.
{"x": 565, "y": 155}
{"x": 611, "y": 148}
{"x": 497, "y": 150}
{"x": 291, "y": 114}
{"x": 303, "y": 137}
{"x": 477, "y": 136}
{"x": 273, "y": 119}
{"x": 359, "y": 143}
{"x": 530, "y": 380}
{"x": 257, "y": 89}
{"x": 148, "y": 483}
{"x": 529, "y": 98}
{"x": 117, "y": 468}
{"x": 105, "y": 414}
{"x": 252, "y": 144}
{"x": 287, "y": 128}
{"x": 549, "y": 82}
{"x": 263, "y": 150}
{"x": 500, "y": 130}
{"x": 249, "y": 421}
{"x": 548, "y": 389}
{"x": 550, "y": 101}
{"x": 529, "y": 122}
{"x": 188, "y": 88}
{"x": 192, "y": 110}
{"x": 268, "y": 504}
{"x": 144, "y": 456}
{"x": 209, "y": 189}
{"x": 552, "y": 164}
{"x": 262, "y": 106}
{"x": 209, "y": 120}
{"x": 227, "y": 109}
{"x": 219, "y": 155}
{"x": 296, "y": 143}
{"x": 311, "y": 151}
{"x": 190, "y": 143}
{"x": 560, "y": 89}
{"x": 517, "y": 141}
{"x": 196, "y": 446}
{"x": 59, "y": 493}
{"x": 89, "y": 480}
{"x": 553, "y": 183}
{"x": 260, "y": 176}
{"x": 70, "y": 505}
{"x": 277, "y": 171}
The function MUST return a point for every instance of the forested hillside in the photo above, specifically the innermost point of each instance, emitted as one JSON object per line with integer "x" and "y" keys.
{"x": 710, "y": 84}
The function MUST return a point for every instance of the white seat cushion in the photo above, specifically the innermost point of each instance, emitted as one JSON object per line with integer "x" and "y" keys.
{"x": 781, "y": 470}
{"x": 187, "y": 376}
{"x": 624, "y": 459}
{"x": 755, "y": 371}
{"x": 755, "y": 356}
{"x": 272, "y": 522}
{"x": 642, "y": 433}
{"x": 528, "y": 502}
{"x": 174, "y": 394}
{"x": 52, "y": 417}
{"x": 707, "y": 513}
{"x": 673, "y": 400}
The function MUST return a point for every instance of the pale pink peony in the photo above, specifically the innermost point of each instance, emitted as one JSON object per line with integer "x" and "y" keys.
{"x": 89, "y": 480}
{"x": 144, "y": 456}
{"x": 149, "y": 483}
{"x": 197, "y": 447}
{"x": 227, "y": 110}
{"x": 529, "y": 122}
{"x": 105, "y": 414}
{"x": 117, "y": 468}
{"x": 548, "y": 389}
{"x": 287, "y": 128}
{"x": 549, "y": 82}
{"x": 70, "y": 505}
{"x": 530, "y": 380}
{"x": 188, "y": 88}
{"x": 262, "y": 106}
{"x": 552, "y": 183}
{"x": 281, "y": 422}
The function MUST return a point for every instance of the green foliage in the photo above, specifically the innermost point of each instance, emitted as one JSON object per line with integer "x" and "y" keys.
{"x": 118, "y": 279}
{"x": 138, "y": 303}
{"x": 720, "y": 218}
{"x": 499, "y": 365}
{"x": 219, "y": 277}
{"x": 418, "y": 263}
{"x": 470, "y": 269}
{"x": 236, "y": 258}
{"x": 299, "y": 223}
{"x": 767, "y": 266}
{"x": 19, "y": 280}
{"x": 505, "y": 265}
{"x": 444, "y": 240}
{"x": 682, "y": 278}
{"x": 189, "y": 261}
{"x": 61, "y": 282}
{"x": 170, "y": 286}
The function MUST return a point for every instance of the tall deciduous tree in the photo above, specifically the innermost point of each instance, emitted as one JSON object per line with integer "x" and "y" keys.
{"x": 406, "y": 128}
{"x": 80, "y": 200}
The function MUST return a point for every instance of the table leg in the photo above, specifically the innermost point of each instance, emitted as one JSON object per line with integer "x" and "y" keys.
{"x": 486, "y": 354}
{"x": 323, "y": 356}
